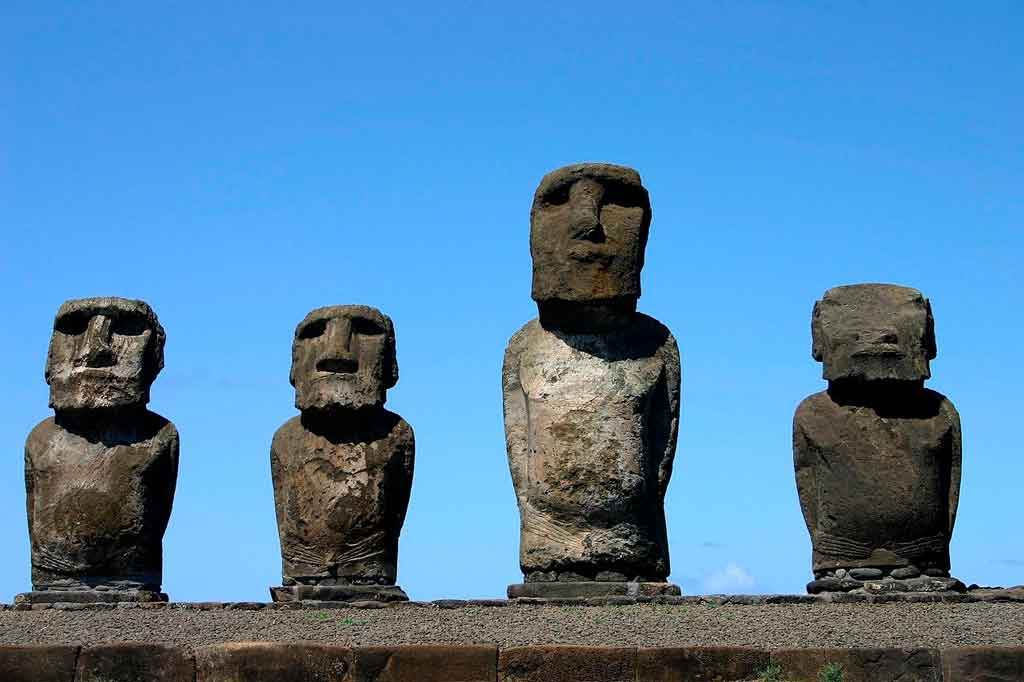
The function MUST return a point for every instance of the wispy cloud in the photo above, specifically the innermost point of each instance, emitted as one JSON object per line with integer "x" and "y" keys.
{"x": 1009, "y": 562}
{"x": 730, "y": 579}
{"x": 708, "y": 544}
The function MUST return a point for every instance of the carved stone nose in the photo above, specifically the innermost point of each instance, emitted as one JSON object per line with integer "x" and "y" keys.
{"x": 592, "y": 232}
{"x": 98, "y": 352}
{"x": 886, "y": 336}
{"x": 339, "y": 336}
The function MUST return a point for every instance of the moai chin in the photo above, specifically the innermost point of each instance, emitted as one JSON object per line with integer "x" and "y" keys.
{"x": 877, "y": 455}
{"x": 591, "y": 396}
{"x": 342, "y": 469}
{"x": 100, "y": 474}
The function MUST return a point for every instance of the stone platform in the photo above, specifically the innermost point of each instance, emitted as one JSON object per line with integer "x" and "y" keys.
{"x": 89, "y": 597}
{"x": 277, "y": 662}
{"x": 971, "y": 637}
{"x": 581, "y": 590}
{"x": 338, "y": 593}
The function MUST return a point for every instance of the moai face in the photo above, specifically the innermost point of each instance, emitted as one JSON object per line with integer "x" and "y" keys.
{"x": 871, "y": 332}
{"x": 588, "y": 231}
{"x": 343, "y": 357}
{"x": 104, "y": 353}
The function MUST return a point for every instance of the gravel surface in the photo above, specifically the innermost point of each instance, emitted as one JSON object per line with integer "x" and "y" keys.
{"x": 764, "y": 626}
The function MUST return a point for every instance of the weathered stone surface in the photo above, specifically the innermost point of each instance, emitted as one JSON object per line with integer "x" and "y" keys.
{"x": 861, "y": 665}
{"x": 274, "y": 662}
{"x": 905, "y": 572}
{"x": 866, "y": 573}
{"x": 339, "y": 593}
{"x": 100, "y": 474}
{"x": 997, "y": 594}
{"x": 591, "y": 388}
{"x": 343, "y": 469}
{"x": 877, "y": 455}
{"x": 831, "y": 585}
{"x": 567, "y": 664}
{"x": 922, "y": 584}
{"x": 578, "y": 590}
{"x": 37, "y": 663}
{"x": 704, "y": 664}
{"x": 427, "y": 663}
{"x": 135, "y": 662}
{"x": 983, "y": 664}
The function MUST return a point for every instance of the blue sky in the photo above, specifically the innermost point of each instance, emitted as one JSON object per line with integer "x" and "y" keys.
{"x": 236, "y": 165}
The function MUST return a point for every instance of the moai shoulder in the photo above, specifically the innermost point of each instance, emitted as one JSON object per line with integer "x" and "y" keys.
{"x": 100, "y": 475}
{"x": 591, "y": 395}
{"x": 877, "y": 455}
{"x": 343, "y": 468}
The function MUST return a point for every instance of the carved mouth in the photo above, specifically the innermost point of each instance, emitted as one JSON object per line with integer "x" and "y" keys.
{"x": 887, "y": 350}
{"x": 583, "y": 253}
{"x": 337, "y": 366}
{"x": 92, "y": 372}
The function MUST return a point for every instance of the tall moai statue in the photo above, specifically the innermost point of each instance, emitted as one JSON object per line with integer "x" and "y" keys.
{"x": 591, "y": 396}
{"x": 877, "y": 454}
{"x": 100, "y": 474}
{"x": 342, "y": 469}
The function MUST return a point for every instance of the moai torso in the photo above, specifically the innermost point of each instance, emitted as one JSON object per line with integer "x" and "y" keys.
{"x": 343, "y": 469}
{"x": 879, "y": 488}
{"x": 341, "y": 499}
{"x": 591, "y": 389}
{"x": 877, "y": 455}
{"x": 100, "y": 475}
{"x": 99, "y": 502}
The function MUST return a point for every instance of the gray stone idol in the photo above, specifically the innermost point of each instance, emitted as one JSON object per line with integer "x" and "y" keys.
{"x": 100, "y": 474}
{"x": 591, "y": 396}
{"x": 877, "y": 455}
{"x": 342, "y": 469}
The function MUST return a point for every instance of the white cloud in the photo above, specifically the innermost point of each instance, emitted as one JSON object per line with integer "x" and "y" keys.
{"x": 730, "y": 579}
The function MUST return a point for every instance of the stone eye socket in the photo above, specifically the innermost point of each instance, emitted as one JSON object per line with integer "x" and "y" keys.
{"x": 128, "y": 325}
{"x": 622, "y": 195}
{"x": 556, "y": 196}
{"x": 73, "y": 324}
{"x": 365, "y": 327}
{"x": 313, "y": 329}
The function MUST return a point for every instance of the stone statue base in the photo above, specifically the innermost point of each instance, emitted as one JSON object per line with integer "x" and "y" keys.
{"x": 871, "y": 581}
{"x": 580, "y": 590}
{"x": 89, "y": 596}
{"x": 342, "y": 593}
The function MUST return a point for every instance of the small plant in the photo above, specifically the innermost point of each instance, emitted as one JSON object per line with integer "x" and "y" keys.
{"x": 352, "y": 621}
{"x": 770, "y": 673}
{"x": 831, "y": 672}
{"x": 320, "y": 616}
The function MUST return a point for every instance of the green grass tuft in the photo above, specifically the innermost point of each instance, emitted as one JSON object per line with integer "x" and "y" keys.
{"x": 770, "y": 673}
{"x": 831, "y": 672}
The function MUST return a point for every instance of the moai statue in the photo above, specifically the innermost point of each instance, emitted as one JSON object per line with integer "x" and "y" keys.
{"x": 343, "y": 468}
{"x": 877, "y": 455}
{"x": 591, "y": 396}
{"x": 100, "y": 474}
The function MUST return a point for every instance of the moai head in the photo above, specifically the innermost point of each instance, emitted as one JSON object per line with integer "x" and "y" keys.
{"x": 104, "y": 353}
{"x": 872, "y": 332}
{"x": 588, "y": 231}
{"x": 343, "y": 357}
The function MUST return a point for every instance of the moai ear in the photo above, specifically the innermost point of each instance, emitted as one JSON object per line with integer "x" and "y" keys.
{"x": 155, "y": 351}
{"x": 817, "y": 352}
{"x": 391, "y": 376}
{"x": 929, "y": 332}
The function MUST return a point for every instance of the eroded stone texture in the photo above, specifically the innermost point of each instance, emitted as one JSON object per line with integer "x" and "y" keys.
{"x": 877, "y": 455}
{"x": 591, "y": 389}
{"x": 343, "y": 469}
{"x": 100, "y": 474}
